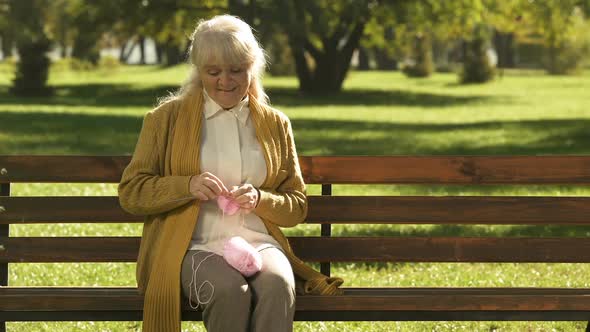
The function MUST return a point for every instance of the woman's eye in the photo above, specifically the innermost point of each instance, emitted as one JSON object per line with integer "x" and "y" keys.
{"x": 236, "y": 70}
{"x": 213, "y": 73}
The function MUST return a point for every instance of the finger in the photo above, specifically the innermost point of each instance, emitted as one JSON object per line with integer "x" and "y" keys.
{"x": 214, "y": 186}
{"x": 201, "y": 196}
{"x": 243, "y": 199}
{"x": 217, "y": 181}
{"x": 207, "y": 192}
{"x": 240, "y": 191}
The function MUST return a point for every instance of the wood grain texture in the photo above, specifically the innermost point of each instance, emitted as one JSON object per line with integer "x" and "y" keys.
{"x": 335, "y": 209}
{"x": 354, "y": 299}
{"x": 336, "y": 169}
{"x": 318, "y": 249}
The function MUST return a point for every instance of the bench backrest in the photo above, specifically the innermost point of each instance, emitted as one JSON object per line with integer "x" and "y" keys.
{"x": 326, "y": 209}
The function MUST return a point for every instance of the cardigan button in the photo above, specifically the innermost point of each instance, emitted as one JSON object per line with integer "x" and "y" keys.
{"x": 2, "y": 209}
{"x": 3, "y": 171}
{"x": 2, "y": 247}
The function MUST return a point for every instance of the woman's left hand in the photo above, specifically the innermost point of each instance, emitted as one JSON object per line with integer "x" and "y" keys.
{"x": 246, "y": 196}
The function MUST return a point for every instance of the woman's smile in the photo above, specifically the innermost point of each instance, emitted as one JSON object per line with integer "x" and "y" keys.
{"x": 226, "y": 84}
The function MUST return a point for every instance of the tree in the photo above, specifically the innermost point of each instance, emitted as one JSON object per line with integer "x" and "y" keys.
{"x": 6, "y": 30}
{"x": 565, "y": 32}
{"x": 322, "y": 36}
{"x": 28, "y": 18}
{"x": 477, "y": 66}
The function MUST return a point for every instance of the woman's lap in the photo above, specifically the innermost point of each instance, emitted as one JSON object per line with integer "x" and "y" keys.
{"x": 215, "y": 275}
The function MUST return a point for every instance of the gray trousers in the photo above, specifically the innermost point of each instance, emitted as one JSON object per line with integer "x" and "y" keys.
{"x": 262, "y": 302}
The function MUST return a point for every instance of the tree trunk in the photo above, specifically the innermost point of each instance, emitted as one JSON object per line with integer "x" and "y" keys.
{"x": 159, "y": 53}
{"x": 32, "y": 69}
{"x": 504, "y": 45}
{"x": 141, "y": 42}
{"x": 63, "y": 49}
{"x": 132, "y": 44}
{"x": 85, "y": 47}
{"x": 363, "y": 59}
{"x": 383, "y": 60}
{"x": 7, "y": 44}
{"x": 172, "y": 53}
{"x": 332, "y": 64}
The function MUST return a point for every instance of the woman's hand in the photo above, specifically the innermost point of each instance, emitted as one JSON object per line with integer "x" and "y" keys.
{"x": 206, "y": 186}
{"x": 246, "y": 196}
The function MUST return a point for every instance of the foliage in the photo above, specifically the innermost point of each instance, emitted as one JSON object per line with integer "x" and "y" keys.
{"x": 280, "y": 60}
{"x": 32, "y": 71}
{"x": 478, "y": 66}
{"x": 420, "y": 62}
{"x": 377, "y": 113}
{"x": 328, "y": 32}
{"x": 565, "y": 33}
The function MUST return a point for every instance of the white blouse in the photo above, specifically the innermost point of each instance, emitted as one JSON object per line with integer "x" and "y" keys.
{"x": 230, "y": 151}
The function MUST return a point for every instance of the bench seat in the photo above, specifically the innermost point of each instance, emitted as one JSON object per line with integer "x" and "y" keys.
{"x": 556, "y": 216}
{"x": 357, "y": 304}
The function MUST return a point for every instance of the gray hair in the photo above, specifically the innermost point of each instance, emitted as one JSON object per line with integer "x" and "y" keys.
{"x": 225, "y": 39}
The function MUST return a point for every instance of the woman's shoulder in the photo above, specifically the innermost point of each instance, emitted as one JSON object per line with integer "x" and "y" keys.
{"x": 278, "y": 115}
{"x": 165, "y": 109}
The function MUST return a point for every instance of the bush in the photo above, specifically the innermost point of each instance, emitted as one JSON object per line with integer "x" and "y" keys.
{"x": 478, "y": 64}
{"x": 109, "y": 63}
{"x": 74, "y": 64}
{"x": 280, "y": 62}
{"x": 420, "y": 63}
{"x": 571, "y": 54}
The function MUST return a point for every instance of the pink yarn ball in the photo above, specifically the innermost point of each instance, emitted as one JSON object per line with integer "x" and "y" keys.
{"x": 228, "y": 205}
{"x": 238, "y": 253}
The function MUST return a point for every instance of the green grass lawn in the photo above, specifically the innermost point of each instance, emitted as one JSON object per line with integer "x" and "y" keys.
{"x": 378, "y": 113}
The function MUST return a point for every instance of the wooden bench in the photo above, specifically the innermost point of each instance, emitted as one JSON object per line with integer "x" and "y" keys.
{"x": 358, "y": 304}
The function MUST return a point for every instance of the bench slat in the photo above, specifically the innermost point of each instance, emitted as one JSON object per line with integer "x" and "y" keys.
{"x": 354, "y": 299}
{"x": 336, "y": 169}
{"x": 316, "y": 315}
{"x": 335, "y": 209}
{"x": 317, "y": 249}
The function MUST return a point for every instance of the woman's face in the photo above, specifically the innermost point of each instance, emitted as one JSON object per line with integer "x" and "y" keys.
{"x": 226, "y": 84}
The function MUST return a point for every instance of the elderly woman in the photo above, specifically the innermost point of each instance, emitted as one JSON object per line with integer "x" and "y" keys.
{"x": 219, "y": 137}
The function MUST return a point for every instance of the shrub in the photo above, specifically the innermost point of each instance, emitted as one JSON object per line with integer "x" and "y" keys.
{"x": 109, "y": 63}
{"x": 74, "y": 64}
{"x": 478, "y": 64}
{"x": 570, "y": 54}
{"x": 420, "y": 63}
{"x": 281, "y": 62}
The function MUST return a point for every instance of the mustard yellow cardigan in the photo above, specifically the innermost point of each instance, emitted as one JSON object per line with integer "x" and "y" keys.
{"x": 155, "y": 184}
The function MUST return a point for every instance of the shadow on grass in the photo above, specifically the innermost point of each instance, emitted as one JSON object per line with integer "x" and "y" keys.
{"x": 292, "y": 97}
{"x": 66, "y": 133}
{"x": 341, "y": 137}
{"x": 119, "y": 95}
{"x": 130, "y": 95}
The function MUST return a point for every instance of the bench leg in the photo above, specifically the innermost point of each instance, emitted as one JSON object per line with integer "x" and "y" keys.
{"x": 588, "y": 327}
{"x": 2, "y": 326}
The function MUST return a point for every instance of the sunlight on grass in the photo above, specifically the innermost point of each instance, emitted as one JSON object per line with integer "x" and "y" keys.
{"x": 378, "y": 113}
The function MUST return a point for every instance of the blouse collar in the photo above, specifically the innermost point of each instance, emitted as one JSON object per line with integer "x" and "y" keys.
{"x": 240, "y": 111}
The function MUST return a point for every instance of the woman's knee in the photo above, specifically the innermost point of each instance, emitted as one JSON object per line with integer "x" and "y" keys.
{"x": 274, "y": 286}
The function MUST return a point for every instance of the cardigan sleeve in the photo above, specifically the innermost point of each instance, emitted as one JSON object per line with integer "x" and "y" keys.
{"x": 144, "y": 190}
{"x": 287, "y": 205}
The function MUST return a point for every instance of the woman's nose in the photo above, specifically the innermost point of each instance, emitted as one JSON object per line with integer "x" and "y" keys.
{"x": 224, "y": 79}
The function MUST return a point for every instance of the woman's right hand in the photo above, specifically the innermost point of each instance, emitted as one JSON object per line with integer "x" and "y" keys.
{"x": 206, "y": 186}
